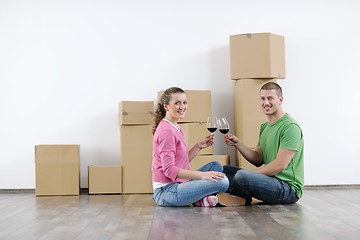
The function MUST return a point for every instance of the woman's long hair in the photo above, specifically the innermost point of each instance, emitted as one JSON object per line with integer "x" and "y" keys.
{"x": 160, "y": 109}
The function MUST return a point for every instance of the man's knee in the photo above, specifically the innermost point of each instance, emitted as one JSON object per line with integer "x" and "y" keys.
{"x": 230, "y": 170}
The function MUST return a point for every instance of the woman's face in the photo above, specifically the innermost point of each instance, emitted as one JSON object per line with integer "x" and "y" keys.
{"x": 176, "y": 108}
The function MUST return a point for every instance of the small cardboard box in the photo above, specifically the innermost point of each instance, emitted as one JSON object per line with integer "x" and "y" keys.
{"x": 199, "y": 105}
{"x": 104, "y": 179}
{"x": 201, "y": 160}
{"x": 257, "y": 55}
{"x": 193, "y": 132}
{"x": 136, "y": 112}
{"x": 57, "y": 170}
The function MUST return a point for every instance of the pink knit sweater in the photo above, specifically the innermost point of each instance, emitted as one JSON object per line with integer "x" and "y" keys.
{"x": 170, "y": 153}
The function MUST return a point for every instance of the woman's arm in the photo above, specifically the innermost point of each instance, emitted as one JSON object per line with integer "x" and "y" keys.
{"x": 203, "y": 143}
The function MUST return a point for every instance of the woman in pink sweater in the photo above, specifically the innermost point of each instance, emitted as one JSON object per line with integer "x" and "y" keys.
{"x": 174, "y": 184}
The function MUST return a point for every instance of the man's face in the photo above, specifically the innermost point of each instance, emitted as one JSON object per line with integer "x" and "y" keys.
{"x": 270, "y": 101}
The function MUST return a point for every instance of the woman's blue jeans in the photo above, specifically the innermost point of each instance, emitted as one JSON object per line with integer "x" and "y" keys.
{"x": 184, "y": 194}
{"x": 249, "y": 184}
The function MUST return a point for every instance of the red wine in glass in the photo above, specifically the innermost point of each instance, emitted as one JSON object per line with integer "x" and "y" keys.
{"x": 224, "y": 130}
{"x": 212, "y": 124}
{"x": 223, "y": 125}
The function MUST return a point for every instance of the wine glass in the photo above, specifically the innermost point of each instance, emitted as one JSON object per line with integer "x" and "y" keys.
{"x": 212, "y": 124}
{"x": 223, "y": 125}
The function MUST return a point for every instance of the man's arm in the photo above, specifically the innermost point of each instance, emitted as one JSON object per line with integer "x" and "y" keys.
{"x": 251, "y": 155}
{"x": 282, "y": 160}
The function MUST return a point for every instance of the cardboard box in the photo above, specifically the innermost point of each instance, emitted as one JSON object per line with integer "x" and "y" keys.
{"x": 104, "y": 179}
{"x": 257, "y": 55}
{"x": 248, "y": 130}
{"x": 199, "y": 105}
{"x": 136, "y": 158}
{"x": 201, "y": 160}
{"x": 248, "y": 114}
{"x": 136, "y": 112}
{"x": 57, "y": 170}
{"x": 243, "y": 163}
{"x": 193, "y": 132}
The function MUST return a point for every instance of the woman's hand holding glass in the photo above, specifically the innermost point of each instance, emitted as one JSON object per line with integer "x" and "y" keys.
{"x": 206, "y": 142}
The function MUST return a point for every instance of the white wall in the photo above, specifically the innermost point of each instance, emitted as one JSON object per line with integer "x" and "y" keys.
{"x": 65, "y": 65}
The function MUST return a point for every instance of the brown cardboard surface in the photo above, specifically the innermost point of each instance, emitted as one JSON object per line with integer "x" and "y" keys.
{"x": 136, "y": 112}
{"x": 243, "y": 163}
{"x": 193, "y": 132}
{"x": 201, "y": 160}
{"x": 57, "y": 170}
{"x": 136, "y": 158}
{"x": 257, "y": 55}
{"x": 104, "y": 179}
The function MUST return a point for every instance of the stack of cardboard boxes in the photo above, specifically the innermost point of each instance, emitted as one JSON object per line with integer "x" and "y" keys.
{"x": 254, "y": 60}
{"x": 136, "y": 121}
{"x": 133, "y": 175}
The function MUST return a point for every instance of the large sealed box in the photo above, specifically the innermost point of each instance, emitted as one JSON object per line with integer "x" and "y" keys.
{"x": 257, "y": 55}
{"x": 136, "y": 112}
{"x": 248, "y": 114}
{"x": 199, "y": 105}
{"x": 136, "y": 158}
{"x": 104, "y": 179}
{"x": 193, "y": 132}
{"x": 57, "y": 170}
{"x": 201, "y": 160}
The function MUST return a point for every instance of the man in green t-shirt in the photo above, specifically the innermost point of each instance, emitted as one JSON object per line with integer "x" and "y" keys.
{"x": 279, "y": 156}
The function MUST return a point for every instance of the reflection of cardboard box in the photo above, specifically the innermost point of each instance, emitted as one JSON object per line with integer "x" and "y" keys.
{"x": 136, "y": 158}
{"x": 136, "y": 112}
{"x": 104, "y": 179}
{"x": 57, "y": 169}
{"x": 199, "y": 105}
{"x": 257, "y": 55}
{"x": 248, "y": 114}
{"x": 193, "y": 132}
{"x": 201, "y": 160}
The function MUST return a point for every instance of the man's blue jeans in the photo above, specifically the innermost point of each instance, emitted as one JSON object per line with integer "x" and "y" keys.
{"x": 184, "y": 194}
{"x": 249, "y": 184}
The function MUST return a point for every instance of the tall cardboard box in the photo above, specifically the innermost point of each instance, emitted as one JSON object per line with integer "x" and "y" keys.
{"x": 257, "y": 55}
{"x": 57, "y": 170}
{"x": 136, "y": 112}
{"x": 201, "y": 160}
{"x": 104, "y": 179}
{"x": 199, "y": 105}
{"x": 136, "y": 158}
{"x": 193, "y": 132}
{"x": 248, "y": 114}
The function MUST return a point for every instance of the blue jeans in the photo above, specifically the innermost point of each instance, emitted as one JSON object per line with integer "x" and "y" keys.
{"x": 249, "y": 184}
{"x": 184, "y": 194}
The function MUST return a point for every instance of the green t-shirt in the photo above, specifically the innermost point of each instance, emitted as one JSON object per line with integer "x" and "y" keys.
{"x": 284, "y": 133}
